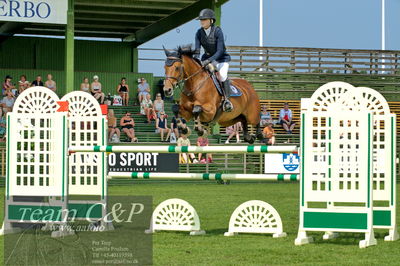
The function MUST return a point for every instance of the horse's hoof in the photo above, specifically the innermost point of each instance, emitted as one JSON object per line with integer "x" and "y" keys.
{"x": 249, "y": 139}
{"x": 252, "y": 139}
{"x": 260, "y": 136}
{"x": 196, "y": 110}
{"x": 200, "y": 133}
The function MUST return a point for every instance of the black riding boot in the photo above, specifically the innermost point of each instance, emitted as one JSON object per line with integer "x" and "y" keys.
{"x": 227, "y": 105}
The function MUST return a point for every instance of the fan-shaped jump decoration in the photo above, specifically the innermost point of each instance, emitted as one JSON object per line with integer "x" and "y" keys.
{"x": 82, "y": 104}
{"x": 175, "y": 215}
{"x": 38, "y": 99}
{"x": 255, "y": 216}
{"x": 365, "y": 99}
{"x": 327, "y": 96}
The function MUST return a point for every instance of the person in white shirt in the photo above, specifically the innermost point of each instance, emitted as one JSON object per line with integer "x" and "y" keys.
{"x": 8, "y": 102}
{"x": 23, "y": 84}
{"x": 286, "y": 119}
{"x": 146, "y": 108}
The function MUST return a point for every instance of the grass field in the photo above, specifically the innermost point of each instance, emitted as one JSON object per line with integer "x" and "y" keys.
{"x": 215, "y": 203}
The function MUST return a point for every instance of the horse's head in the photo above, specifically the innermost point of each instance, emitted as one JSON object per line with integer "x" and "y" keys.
{"x": 174, "y": 68}
{"x": 173, "y": 71}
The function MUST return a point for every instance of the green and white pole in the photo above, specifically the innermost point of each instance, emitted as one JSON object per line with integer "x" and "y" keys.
{"x": 199, "y": 176}
{"x": 184, "y": 149}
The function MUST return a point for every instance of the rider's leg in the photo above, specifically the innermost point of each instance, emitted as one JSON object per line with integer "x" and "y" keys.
{"x": 223, "y": 75}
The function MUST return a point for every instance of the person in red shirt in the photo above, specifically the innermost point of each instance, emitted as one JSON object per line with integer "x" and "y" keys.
{"x": 203, "y": 141}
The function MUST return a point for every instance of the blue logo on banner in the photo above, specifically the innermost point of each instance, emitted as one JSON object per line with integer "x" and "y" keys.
{"x": 290, "y": 161}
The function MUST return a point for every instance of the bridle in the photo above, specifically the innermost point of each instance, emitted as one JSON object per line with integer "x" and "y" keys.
{"x": 180, "y": 80}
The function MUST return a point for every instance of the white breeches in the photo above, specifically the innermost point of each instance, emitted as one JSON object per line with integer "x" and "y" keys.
{"x": 223, "y": 70}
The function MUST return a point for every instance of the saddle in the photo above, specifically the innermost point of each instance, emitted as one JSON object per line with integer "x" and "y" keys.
{"x": 233, "y": 92}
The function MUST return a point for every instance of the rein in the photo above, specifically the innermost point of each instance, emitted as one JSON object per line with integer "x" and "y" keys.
{"x": 180, "y": 80}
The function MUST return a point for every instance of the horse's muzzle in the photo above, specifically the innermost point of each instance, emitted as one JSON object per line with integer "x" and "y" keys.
{"x": 168, "y": 92}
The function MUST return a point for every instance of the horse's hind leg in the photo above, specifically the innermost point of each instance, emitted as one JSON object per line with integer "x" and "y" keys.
{"x": 247, "y": 137}
{"x": 259, "y": 134}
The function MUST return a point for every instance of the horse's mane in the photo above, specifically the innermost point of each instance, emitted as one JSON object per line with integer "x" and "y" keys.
{"x": 188, "y": 51}
{"x": 182, "y": 50}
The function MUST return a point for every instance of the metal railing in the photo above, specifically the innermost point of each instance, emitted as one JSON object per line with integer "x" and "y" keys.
{"x": 247, "y": 59}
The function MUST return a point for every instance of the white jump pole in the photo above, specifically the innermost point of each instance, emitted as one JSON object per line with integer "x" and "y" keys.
{"x": 214, "y": 176}
{"x": 183, "y": 149}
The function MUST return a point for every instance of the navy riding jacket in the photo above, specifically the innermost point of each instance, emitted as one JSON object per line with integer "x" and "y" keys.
{"x": 213, "y": 44}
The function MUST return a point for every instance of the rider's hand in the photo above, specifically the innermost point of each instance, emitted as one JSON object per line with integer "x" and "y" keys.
{"x": 205, "y": 62}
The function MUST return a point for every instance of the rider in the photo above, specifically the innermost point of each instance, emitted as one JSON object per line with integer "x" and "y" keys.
{"x": 211, "y": 38}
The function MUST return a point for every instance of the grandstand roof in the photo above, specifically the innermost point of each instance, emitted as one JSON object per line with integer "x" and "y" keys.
{"x": 131, "y": 20}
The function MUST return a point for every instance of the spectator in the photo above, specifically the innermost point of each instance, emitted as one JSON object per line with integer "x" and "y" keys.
{"x": 96, "y": 89}
{"x": 112, "y": 126}
{"x": 3, "y": 123}
{"x": 265, "y": 116}
{"x": 8, "y": 102}
{"x": 203, "y": 141}
{"x": 23, "y": 84}
{"x": 37, "y": 82}
{"x": 7, "y": 85}
{"x": 162, "y": 127}
{"x": 85, "y": 86}
{"x": 123, "y": 91}
{"x": 184, "y": 141}
{"x": 174, "y": 124}
{"x": 158, "y": 105}
{"x": 146, "y": 108}
{"x": 108, "y": 100}
{"x": 269, "y": 135}
{"x": 127, "y": 125}
{"x": 285, "y": 119}
{"x": 143, "y": 89}
{"x": 233, "y": 131}
{"x": 50, "y": 83}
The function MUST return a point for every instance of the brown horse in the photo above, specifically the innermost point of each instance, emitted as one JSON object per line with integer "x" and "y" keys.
{"x": 200, "y": 100}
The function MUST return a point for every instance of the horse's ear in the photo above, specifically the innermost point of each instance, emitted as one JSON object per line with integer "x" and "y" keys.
{"x": 179, "y": 49}
{"x": 165, "y": 50}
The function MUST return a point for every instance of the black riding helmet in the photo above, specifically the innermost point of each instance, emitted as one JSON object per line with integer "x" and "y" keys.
{"x": 206, "y": 14}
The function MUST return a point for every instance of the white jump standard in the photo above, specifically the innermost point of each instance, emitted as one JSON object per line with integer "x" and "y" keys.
{"x": 348, "y": 138}
{"x": 41, "y": 175}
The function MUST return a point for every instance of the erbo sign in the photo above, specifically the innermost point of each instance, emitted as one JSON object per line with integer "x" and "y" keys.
{"x": 36, "y": 11}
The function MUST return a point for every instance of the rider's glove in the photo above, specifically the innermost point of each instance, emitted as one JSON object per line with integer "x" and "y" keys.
{"x": 205, "y": 62}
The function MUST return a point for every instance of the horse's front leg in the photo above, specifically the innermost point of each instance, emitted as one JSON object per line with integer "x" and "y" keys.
{"x": 196, "y": 112}
{"x": 185, "y": 110}
{"x": 206, "y": 129}
{"x": 208, "y": 112}
{"x": 203, "y": 114}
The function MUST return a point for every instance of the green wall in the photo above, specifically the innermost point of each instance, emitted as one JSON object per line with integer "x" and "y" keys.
{"x": 109, "y": 80}
{"x": 48, "y": 53}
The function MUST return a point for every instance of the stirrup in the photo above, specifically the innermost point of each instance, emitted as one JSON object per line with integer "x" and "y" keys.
{"x": 227, "y": 106}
